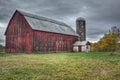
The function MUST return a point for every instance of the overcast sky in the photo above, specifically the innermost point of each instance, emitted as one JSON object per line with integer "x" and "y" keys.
{"x": 100, "y": 15}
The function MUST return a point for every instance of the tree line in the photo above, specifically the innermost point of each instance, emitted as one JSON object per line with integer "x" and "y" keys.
{"x": 2, "y": 48}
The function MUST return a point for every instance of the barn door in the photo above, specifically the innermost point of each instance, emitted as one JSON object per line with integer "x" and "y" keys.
{"x": 23, "y": 46}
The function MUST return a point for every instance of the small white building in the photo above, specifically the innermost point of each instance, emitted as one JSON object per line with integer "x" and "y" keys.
{"x": 81, "y": 46}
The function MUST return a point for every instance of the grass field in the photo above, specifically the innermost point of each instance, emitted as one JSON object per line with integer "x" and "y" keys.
{"x": 60, "y": 66}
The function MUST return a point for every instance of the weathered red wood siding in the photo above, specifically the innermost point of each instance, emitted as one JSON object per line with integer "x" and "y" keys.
{"x": 19, "y": 36}
{"x": 53, "y": 42}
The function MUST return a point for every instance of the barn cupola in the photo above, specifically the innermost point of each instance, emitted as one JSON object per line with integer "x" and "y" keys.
{"x": 81, "y": 28}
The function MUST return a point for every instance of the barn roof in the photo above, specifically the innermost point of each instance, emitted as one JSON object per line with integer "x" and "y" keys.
{"x": 46, "y": 24}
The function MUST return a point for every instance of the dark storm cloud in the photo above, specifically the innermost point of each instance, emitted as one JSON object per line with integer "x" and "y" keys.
{"x": 100, "y": 15}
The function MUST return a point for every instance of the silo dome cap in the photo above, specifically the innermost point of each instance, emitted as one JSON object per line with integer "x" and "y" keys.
{"x": 80, "y": 18}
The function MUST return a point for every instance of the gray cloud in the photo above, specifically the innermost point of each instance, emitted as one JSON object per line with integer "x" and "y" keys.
{"x": 100, "y": 15}
{"x": 1, "y": 41}
{"x": 2, "y": 37}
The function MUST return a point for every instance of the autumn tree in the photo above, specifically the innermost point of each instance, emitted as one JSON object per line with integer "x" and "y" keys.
{"x": 109, "y": 42}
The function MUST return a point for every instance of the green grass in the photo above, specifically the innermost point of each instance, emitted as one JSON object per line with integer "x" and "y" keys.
{"x": 60, "y": 66}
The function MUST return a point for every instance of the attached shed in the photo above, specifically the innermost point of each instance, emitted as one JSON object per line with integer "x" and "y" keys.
{"x": 31, "y": 33}
{"x": 81, "y": 46}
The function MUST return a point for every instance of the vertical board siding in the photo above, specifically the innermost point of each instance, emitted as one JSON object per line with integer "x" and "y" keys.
{"x": 53, "y": 42}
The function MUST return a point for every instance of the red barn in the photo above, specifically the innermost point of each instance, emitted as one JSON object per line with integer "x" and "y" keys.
{"x": 31, "y": 33}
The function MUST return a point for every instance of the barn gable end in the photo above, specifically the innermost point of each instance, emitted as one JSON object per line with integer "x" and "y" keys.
{"x": 18, "y": 34}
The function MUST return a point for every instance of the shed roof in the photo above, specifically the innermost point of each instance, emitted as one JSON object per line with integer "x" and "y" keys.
{"x": 46, "y": 24}
{"x": 81, "y": 43}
